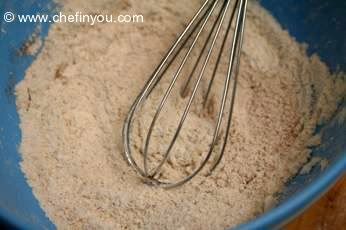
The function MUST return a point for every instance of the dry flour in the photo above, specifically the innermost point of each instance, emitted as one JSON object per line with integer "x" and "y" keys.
{"x": 74, "y": 98}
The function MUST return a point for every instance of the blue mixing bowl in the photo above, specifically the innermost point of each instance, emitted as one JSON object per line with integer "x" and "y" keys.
{"x": 319, "y": 23}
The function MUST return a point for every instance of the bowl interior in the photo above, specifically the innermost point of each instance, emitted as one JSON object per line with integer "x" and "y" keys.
{"x": 318, "y": 23}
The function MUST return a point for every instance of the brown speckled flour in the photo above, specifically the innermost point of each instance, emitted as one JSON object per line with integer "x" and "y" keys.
{"x": 74, "y": 98}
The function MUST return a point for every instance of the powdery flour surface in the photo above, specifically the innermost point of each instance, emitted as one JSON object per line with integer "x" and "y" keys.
{"x": 74, "y": 98}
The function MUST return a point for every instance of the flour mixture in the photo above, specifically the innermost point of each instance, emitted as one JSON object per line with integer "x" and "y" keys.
{"x": 74, "y": 98}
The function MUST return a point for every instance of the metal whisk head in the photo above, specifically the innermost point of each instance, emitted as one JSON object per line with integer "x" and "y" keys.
{"x": 219, "y": 22}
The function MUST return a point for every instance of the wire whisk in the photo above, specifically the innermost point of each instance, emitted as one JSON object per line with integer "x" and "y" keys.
{"x": 223, "y": 21}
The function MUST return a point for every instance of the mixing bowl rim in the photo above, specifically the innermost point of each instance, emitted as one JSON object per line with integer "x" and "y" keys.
{"x": 296, "y": 204}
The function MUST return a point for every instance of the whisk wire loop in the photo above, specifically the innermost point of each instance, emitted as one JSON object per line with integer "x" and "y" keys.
{"x": 195, "y": 27}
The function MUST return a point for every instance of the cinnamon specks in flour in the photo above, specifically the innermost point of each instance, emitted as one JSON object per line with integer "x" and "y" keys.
{"x": 83, "y": 82}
